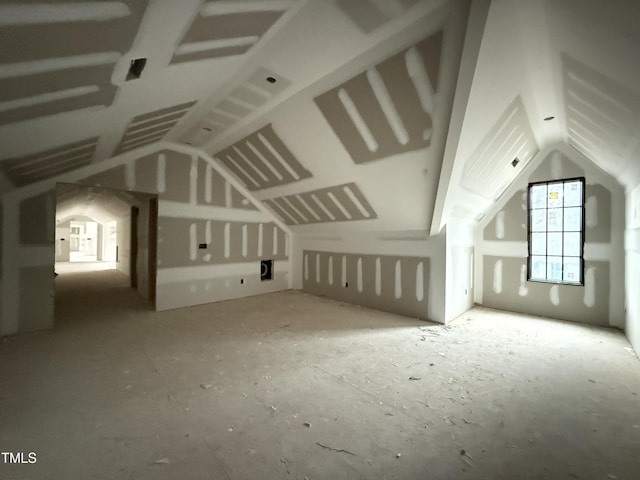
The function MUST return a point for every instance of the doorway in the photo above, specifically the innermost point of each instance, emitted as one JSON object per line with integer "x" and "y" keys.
{"x": 105, "y": 234}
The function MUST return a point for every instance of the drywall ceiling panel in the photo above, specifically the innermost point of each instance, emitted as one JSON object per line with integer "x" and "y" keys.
{"x": 262, "y": 160}
{"x": 260, "y": 87}
{"x": 333, "y": 204}
{"x": 31, "y": 168}
{"x": 59, "y": 56}
{"x": 225, "y": 28}
{"x": 504, "y": 151}
{"x": 387, "y": 109}
{"x": 603, "y": 118}
{"x": 368, "y": 15}
{"x": 151, "y": 127}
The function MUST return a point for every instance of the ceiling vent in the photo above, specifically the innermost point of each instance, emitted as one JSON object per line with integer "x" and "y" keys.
{"x": 136, "y": 68}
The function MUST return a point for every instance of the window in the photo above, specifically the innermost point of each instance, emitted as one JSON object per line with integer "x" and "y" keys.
{"x": 556, "y": 231}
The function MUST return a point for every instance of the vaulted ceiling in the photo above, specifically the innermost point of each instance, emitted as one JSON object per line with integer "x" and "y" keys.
{"x": 340, "y": 115}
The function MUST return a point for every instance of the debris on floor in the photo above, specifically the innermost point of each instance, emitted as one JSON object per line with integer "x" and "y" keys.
{"x": 336, "y": 449}
{"x": 206, "y": 386}
{"x": 162, "y": 461}
{"x": 398, "y": 455}
{"x": 415, "y": 378}
{"x": 307, "y": 424}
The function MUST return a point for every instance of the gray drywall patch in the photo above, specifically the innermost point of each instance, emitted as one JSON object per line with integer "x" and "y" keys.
{"x": 332, "y": 204}
{"x": 146, "y": 173}
{"x": 152, "y": 126}
{"x": 387, "y": 110}
{"x": 352, "y": 279}
{"x": 598, "y": 214}
{"x": 177, "y": 177}
{"x": 36, "y": 283}
{"x": 37, "y": 219}
{"x": 211, "y": 186}
{"x": 262, "y": 160}
{"x": 586, "y": 304}
{"x": 240, "y": 201}
{"x": 112, "y": 178}
{"x": 42, "y": 84}
{"x": 511, "y": 221}
{"x": 179, "y": 238}
{"x": 46, "y": 164}
{"x": 68, "y": 88}
{"x": 208, "y": 28}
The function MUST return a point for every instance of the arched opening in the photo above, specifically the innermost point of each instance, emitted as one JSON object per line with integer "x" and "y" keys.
{"x": 105, "y": 251}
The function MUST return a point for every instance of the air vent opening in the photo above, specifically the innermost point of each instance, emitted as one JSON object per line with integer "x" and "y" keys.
{"x": 271, "y": 79}
{"x": 135, "y": 68}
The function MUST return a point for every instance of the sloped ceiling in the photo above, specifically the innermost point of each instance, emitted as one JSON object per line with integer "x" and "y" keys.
{"x": 335, "y": 113}
{"x": 100, "y": 204}
{"x": 573, "y": 69}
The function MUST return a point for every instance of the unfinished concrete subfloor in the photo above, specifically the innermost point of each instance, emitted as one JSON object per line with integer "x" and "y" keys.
{"x": 288, "y": 385}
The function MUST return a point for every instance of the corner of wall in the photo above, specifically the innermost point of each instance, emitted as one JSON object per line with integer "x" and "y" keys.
{"x": 632, "y": 268}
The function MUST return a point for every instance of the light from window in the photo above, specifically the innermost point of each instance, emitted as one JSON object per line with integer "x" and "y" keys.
{"x": 556, "y": 231}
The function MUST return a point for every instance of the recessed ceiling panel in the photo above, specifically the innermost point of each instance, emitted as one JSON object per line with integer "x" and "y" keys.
{"x": 491, "y": 167}
{"x": 32, "y": 168}
{"x": 333, "y": 204}
{"x": 387, "y": 110}
{"x": 59, "y": 56}
{"x": 261, "y": 86}
{"x": 603, "y": 117}
{"x": 151, "y": 127}
{"x": 262, "y": 160}
{"x": 226, "y": 28}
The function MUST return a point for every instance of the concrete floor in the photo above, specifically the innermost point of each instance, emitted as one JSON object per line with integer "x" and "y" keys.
{"x": 288, "y": 385}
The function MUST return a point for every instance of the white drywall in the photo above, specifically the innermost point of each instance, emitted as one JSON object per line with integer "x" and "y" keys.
{"x": 632, "y": 268}
{"x": 123, "y": 263}
{"x": 459, "y": 267}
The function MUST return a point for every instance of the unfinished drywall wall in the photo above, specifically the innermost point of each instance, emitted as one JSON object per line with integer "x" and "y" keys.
{"x": 632, "y": 267}
{"x": 400, "y": 274}
{"x": 63, "y": 243}
{"x": 385, "y": 282}
{"x": 501, "y": 266}
{"x": 459, "y": 267}
{"x": 211, "y": 236}
{"x": 123, "y": 244}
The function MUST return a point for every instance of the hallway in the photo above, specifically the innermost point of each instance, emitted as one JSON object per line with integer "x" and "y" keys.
{"x": 94, "y": 292}
{"x": 289, "y": 385}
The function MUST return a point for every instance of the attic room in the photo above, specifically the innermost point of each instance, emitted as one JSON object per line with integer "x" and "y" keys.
{"x": 319, "y": 239}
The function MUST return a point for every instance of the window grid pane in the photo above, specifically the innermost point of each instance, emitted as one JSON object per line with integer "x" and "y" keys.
{"x": 556, "y": 231}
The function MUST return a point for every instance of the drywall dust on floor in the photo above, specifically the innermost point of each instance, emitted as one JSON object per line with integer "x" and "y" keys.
{"x": 288, "y": 385}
